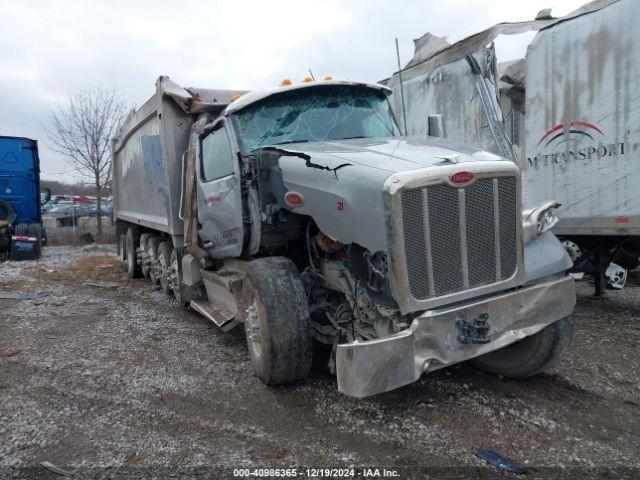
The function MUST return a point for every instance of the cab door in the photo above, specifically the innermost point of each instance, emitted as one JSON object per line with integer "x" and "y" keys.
{"x": 220, "y": 212}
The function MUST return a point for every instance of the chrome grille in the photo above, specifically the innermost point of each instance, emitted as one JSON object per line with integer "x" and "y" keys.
{"x": 457, "y": 239}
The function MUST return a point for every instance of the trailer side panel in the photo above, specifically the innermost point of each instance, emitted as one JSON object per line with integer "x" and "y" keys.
{"x": 583, "y": 121}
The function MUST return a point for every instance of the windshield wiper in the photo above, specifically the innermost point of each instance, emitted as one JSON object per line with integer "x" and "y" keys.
{"x": 351, "y": 138}
{"x": 290, "y": 141}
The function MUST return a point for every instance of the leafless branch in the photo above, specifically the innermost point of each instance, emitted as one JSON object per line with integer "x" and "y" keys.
{"x": 81, "y": 129}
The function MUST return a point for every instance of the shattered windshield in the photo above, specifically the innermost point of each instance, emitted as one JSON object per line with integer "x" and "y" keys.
{"x": 315, "y": 114}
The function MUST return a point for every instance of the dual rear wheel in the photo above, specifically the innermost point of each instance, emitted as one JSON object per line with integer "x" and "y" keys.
{"x": 150, "y": 256}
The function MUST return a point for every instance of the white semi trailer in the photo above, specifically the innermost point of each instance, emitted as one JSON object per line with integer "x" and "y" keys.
{"x": 569, "y": 114}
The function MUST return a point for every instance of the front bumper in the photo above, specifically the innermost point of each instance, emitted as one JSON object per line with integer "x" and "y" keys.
{"x": 433, "y": 340}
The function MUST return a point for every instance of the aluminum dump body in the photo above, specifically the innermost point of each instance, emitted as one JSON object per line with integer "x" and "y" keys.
{"x": 148, "y": 151}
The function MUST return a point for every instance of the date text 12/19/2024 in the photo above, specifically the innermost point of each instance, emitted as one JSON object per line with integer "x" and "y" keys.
{"x": 315, "y": 473}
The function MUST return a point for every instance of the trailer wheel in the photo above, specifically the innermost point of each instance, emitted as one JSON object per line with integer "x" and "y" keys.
{"x": 132, "y": 240}
{"x": 530, "y": 355}
{"x": 277, "y": 322}
{"x": 154, "y": 266}
{"x": 144, "y": 256}
{"x": 164, "y": 260}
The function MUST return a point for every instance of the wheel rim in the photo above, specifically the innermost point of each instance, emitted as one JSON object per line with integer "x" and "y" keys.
{"x": 173, "y": 271}
{"x": 153, "y": 268}
{"x": 164, "y": 271}
{"x": 153, "y": 261}
{"x": 252, "y": 329}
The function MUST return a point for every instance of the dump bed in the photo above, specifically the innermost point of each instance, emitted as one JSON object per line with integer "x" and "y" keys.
{"x": 148, "y": 151}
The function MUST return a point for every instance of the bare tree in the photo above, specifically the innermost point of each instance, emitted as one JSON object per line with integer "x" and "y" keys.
{"x": 81, "y": 130}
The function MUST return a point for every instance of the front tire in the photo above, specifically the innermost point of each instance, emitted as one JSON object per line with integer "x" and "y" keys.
{"x": 530, "y": 355}
{"x": 277, "y": 322}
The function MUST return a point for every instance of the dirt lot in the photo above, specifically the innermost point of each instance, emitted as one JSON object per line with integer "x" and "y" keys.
{"x": 113, "y": 380}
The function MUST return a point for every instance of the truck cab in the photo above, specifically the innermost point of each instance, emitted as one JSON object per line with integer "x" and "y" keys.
{"x": 307, "y": 217}
{"x": 21, "y": 232}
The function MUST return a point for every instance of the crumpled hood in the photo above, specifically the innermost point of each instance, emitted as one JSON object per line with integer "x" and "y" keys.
{"x": 394, "y": 154}
{"x": 341, "y": 183}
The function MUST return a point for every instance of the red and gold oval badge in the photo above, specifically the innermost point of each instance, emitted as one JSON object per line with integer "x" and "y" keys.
{"x": 294, "y": 199}
{"x": 461, "y": 178}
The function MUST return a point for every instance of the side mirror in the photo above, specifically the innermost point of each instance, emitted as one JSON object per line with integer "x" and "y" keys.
{"x": 47, "y": 194}
{"x": 435, "y": 125}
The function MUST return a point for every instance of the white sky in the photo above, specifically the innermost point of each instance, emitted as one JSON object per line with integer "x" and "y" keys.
{"x": 49, "y": 49}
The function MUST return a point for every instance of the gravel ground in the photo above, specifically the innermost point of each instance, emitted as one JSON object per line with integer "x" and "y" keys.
{"x": 113, "y": 380}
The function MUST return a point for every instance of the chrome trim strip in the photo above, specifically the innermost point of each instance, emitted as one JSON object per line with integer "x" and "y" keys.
{"x": 462, "y": 222}
{"x": 496, "y": 226}
{"x": 427, "y": 243}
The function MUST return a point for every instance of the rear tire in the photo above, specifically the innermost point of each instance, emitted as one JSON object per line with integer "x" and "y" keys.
{"x": 164, "y": 260}
{"x": 144, "y": 239}
{"x": 277, "y": 322}
{"x": 530, "y": 355}
{"x": 123, "y": 247}
{"x": 177, "y": 278}
{"x": 131, "y": 242}
{"x": 152, "y": 250}
{"x": 35, "y": 231}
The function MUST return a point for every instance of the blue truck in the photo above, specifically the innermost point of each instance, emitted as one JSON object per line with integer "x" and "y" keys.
{"x": 21, "y": 231}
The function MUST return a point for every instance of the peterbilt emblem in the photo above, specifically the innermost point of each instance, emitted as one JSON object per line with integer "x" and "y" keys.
{"x": 294, "y": 199}
{"x": 461, "y": 178}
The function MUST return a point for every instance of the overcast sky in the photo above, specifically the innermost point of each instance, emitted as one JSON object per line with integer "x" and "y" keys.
{"x": 49, "y": 49}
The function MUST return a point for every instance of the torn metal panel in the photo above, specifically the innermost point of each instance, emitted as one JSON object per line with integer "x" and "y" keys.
{"x": 442, "y": 82}
{"x": 452, "y": 90}
{"x": 426, "y": 47}
{"x": 196, "y": 100}
{"x": 491, "y": 106}
{"x": 480, "y": 40}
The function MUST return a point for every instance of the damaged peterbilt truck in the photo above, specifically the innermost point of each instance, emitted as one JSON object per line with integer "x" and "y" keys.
{"x": 303, "y": 214}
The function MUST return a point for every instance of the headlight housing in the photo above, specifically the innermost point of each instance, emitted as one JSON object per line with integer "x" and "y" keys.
{"x": 539, "y": 220}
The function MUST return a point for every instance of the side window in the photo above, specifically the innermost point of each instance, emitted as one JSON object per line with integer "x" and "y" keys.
{"x": 216, "y": 155}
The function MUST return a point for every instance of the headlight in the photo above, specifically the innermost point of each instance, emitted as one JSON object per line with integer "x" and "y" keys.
{"x": 538, "y": 220}
{"x": 546, "y": 220}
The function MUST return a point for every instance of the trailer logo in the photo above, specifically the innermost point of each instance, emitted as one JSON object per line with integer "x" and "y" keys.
{"x": 575, "y": 129}
{"x": 568, "y": 139}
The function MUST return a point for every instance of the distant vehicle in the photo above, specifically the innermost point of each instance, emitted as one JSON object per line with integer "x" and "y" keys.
{"x": 21, "y": 230}
{"x": 83, "y": 199}
{"x": 106, "y": 210}
{"x": 48, "y": 206}
{"x": 67, "y": 215}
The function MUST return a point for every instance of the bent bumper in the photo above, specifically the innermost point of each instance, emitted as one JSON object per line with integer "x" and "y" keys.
{"x": 434, "y": 339}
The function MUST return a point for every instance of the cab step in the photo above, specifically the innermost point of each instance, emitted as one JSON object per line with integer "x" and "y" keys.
{"x": 218, "y": 315}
